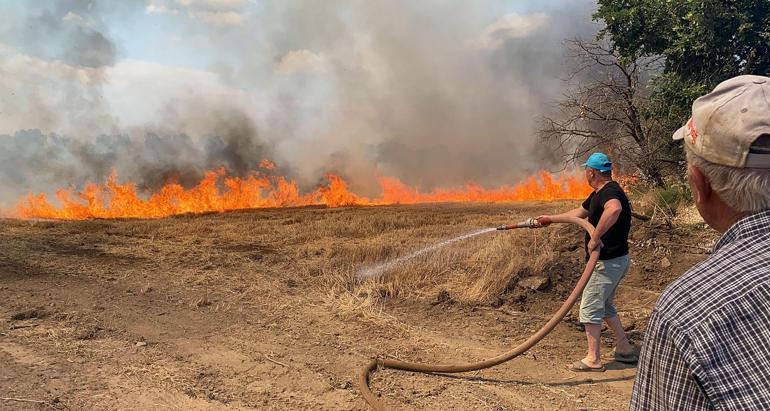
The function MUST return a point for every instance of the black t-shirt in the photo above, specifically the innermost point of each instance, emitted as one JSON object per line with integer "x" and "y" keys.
{"x": 616, "y": 238}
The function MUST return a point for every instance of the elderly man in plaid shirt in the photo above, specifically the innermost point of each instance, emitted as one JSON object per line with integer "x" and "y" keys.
{"x": 707, "y": 345}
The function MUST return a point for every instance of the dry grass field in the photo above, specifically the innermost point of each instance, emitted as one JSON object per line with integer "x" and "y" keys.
{"x": 263, "y": 309}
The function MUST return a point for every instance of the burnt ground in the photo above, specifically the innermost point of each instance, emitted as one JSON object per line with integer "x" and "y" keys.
{"x": 236, "y": 311}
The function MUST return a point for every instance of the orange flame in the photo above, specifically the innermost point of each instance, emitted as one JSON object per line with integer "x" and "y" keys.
{"x": 218, "y": 192}
{"x": 266, "y": 164}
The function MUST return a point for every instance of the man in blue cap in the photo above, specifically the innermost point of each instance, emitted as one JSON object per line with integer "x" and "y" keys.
{"x": 607, "y": 209}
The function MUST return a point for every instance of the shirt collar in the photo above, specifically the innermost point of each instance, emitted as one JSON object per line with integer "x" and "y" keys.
{"x": 604, "y": 185}
{"x": 745, "y": 227}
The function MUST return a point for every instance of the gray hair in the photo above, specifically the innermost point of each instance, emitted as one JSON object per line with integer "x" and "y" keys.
{"x": 745, "y": 190}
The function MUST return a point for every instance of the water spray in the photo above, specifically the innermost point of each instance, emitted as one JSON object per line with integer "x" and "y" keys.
{"x": 380, "y": 269}
{"x": 379, "y": 363}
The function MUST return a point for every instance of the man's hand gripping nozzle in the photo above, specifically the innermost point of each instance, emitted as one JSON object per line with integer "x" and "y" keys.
{"x": 528, "y": 223}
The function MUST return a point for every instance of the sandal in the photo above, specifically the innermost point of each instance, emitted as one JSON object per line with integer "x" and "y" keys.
{"x": 631, "y": 358}
{"x": 580, "y": 366}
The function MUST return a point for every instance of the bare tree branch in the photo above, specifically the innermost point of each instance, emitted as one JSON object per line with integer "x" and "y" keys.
{"x": 604, "y": 109}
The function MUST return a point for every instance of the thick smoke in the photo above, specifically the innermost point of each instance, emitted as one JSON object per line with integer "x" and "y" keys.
{"x": 30, "y": 158}
{"x": 436, "y": 93}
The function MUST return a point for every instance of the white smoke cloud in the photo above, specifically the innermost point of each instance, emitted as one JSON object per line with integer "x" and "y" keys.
{"x": 217, "y": 13}
{"x": 213, "y": 4}
{"x": 301, "y": 61}
{"x": 219, "y": 18}
{"x": 510, "y": 26}
{"x": 159, "y": 7}
{"x": 50, "y": 95}
{"x": 135, "y": 96}
{"x": 79, "y": 20}
{"x": 166, "y": 99}
{"x": 436, "y": 93}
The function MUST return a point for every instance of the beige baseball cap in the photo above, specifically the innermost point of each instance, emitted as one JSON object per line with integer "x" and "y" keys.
{"x": 727, "y": 123}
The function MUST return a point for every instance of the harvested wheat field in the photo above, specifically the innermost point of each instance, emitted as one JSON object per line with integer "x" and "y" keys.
{"x": 263, "y": 309}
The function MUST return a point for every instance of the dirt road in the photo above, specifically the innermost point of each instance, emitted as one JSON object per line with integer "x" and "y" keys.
{"x": 247, "y": 310}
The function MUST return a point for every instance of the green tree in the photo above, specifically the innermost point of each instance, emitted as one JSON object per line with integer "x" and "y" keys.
{"x": 703, "y": 42}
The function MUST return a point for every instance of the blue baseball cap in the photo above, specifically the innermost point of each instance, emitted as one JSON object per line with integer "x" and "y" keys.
{"x": 599, "y": 161}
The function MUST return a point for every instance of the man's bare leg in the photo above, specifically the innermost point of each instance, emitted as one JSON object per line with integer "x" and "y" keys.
{"x": 622, "y": 346}
{"x": 594, "y": 335}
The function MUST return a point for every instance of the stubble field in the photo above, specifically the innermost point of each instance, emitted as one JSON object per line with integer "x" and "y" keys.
{"x": 264, "y": 309}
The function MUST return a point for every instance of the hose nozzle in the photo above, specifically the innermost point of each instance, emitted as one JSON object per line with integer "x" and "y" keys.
{"x": 528, "y": 223}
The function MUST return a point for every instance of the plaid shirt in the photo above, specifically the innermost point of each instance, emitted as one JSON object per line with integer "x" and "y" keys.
{"x": 707, "y": 345}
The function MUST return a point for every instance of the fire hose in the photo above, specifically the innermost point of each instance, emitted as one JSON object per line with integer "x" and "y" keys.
{"x": 363, "y": 379}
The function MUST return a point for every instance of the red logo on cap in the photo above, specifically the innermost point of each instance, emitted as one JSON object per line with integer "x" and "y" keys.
{"x": 692, "y": 131}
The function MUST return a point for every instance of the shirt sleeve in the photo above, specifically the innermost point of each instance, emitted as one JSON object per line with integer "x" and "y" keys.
{"x": 664, "y": 379}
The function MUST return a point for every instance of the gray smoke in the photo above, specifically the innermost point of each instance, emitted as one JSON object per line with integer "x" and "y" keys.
{"x": 30, "y": 158}
{"x": 71, "y": 36}
{"x": 432, "y": 92}
{"x": 72, "y": 32}
{"x": 436, "y": 93}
